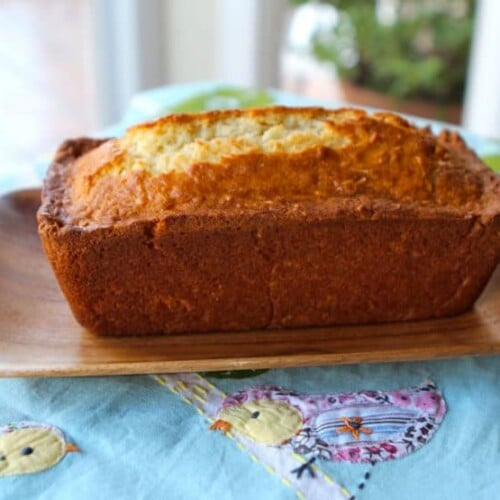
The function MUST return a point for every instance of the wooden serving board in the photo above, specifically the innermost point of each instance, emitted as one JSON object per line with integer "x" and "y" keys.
{"x": 39, "y": 337}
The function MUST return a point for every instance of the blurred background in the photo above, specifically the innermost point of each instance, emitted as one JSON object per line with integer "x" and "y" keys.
{"x": 69, "y": 67}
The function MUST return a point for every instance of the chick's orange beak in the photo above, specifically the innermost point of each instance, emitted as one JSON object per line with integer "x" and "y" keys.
{"x": 221, "y": 425}
{"x": 70, "y": 447}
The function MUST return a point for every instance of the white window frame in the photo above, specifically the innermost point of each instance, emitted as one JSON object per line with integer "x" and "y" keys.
{"x": 134, "y": 49}
{"x": 482, "y": 98}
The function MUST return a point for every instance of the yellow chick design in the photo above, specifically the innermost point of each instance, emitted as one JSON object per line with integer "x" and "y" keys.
{"x": 29, "y": 447}
{"x": 263, "y": 421}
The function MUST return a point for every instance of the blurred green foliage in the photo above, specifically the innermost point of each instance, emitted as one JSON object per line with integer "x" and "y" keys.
{"x": 422, "y": 53}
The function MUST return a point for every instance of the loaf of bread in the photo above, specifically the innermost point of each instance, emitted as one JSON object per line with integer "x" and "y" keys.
{"x": 269, "y": 218}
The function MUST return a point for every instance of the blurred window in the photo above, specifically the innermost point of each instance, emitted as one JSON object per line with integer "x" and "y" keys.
{"x": 45, "y": 85}
{"x": 406, "y": 55}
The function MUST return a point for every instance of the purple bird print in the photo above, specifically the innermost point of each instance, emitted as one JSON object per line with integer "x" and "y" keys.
{"x": 364, "y": 426}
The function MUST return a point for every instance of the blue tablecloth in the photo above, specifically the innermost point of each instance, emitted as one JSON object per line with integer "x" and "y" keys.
{"x": 145, "y": 437}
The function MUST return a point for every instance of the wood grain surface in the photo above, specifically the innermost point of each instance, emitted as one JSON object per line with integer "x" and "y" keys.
{"x": 39, "y": 337}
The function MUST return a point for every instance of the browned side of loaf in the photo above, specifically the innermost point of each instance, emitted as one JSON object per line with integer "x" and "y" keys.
{"x": 290, "y": 266}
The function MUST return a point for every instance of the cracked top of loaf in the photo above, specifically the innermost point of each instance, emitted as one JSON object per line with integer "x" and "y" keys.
{"x": 275, "y": 156}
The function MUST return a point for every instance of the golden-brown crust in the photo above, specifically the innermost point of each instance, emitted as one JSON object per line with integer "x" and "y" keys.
{"x": 281, "y": 262}
{"x": 383, "y": 158}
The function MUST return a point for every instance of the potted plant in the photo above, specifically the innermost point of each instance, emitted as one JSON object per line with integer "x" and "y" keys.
{"x": 406, "y": 55}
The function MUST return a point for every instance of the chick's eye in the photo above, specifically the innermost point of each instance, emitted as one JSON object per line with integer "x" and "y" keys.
{"x": 2, "y": 457}
{"x": 255, "y": 414}
{"x": 27, "y": 451}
